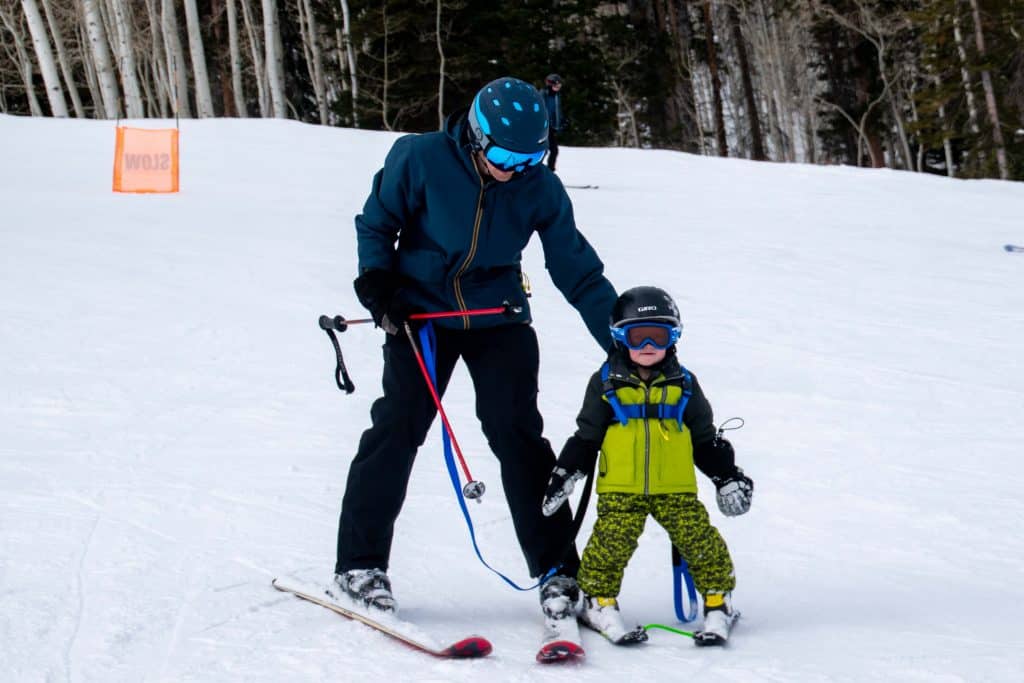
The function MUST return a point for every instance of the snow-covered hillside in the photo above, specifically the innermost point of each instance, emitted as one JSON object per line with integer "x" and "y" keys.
{"x": 171, "y": 437}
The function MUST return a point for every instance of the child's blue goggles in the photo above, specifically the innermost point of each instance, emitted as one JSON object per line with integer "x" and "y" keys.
{"x": 635, "y": 336}
{"x": 507, "y": 160}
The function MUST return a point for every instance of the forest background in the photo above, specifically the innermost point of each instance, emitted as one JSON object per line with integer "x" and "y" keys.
{"x": 931, "y": 86}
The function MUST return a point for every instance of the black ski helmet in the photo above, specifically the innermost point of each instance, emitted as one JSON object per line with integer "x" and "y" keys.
{"x": 509, "y": 113}
{"x": 645, "y": 304}
{"x": 553, "y": 79}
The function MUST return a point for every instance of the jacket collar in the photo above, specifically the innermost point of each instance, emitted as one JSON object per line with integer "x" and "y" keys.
{"x": 621, "y": 369}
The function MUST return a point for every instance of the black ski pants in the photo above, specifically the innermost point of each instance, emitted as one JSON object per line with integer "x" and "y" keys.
{"x": 552, "y": 148}
{"x": 503, "y": 364}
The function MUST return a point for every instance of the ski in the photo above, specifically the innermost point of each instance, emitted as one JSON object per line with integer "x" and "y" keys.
{"x": 561, "y": 641}
{"x": 402, "y": 631}
{"x": 621, "y": 637}
{"x": 711, "y": 639}
{"x": 582, "y": 187}
{"x": 1012, "y": 247}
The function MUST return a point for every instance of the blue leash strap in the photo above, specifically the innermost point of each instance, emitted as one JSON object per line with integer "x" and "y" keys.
{"x": 428, "y": 344}
{"x": 680, "y": 575}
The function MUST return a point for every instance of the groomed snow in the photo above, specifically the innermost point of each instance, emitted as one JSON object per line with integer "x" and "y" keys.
{"x": 171, "y": 437}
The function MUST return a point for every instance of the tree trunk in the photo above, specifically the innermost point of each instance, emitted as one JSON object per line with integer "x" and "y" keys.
{"x": 204, "y": 100}
{"x": 44, "y": 55}
{"x": 24, "y": 61}
{"x": 101, "y": 59}
{"x": 275, "y": 58}
{"x": 965, "y": 75}
{"x": 161, "y": 88}
{"x": 314, "y": 61}
{"x": 235, "y": 56}
{"x": 440, "y": 68}
{"x": 62, "y": 59}
{"x": 350, "y": 51}
{"x": 716, "y": 83}
{"x": 175, "y": 60}
{"x": 257, "y": 59}
{"x": 990, "y": 96}
{"x": 756, "y": 141}
{"x": 126, "y": 60}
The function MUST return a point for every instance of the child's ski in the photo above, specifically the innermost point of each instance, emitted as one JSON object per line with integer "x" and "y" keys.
{"x": 467, "y": 648}
{"x": 717, "y": 636}
{"x": 581, "y": 187}
{"x": 620, "y": 636}
{"x": 561, "y": 641}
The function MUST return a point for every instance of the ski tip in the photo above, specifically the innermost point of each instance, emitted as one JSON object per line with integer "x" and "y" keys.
{"x": 701, "y": 639}
{"x": 560, "y": 651}
{"x": 468, "y": 648}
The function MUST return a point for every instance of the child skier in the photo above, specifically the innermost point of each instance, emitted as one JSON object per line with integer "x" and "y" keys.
{"x": 651, "y": 422}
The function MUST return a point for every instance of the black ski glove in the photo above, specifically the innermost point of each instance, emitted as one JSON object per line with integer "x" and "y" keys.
{"x": 379, "y": 291}
{"x": 735, "y": 492}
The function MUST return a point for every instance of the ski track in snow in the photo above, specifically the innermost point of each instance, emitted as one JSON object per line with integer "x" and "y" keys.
{"x": 173, "y": 439}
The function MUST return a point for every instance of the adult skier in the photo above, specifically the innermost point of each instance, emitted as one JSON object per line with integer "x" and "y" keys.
{"x": 556, "y": 120}
{"x": 444, "y": 229}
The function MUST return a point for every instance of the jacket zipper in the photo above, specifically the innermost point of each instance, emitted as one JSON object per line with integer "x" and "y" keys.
{"x": 647, "y": 444}
{"x": 472, "y": 251}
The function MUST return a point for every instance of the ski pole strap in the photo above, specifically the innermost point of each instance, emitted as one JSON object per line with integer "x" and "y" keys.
{"x": 428, "y": 344}
{"x": 680, "y": 575}
{"x": 340, "y": 372}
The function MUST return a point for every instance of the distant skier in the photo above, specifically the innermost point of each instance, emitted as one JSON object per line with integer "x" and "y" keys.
{"x": 651, "y": 422}
{"x": 443, "y": 229}
{"x": 556, "y": 120}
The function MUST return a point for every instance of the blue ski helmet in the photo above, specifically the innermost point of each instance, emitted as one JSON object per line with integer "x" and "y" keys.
{"x": 509, "y": 123}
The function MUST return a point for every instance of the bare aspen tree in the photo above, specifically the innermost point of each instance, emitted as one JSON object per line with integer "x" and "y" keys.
{"x": 716, "y": 82}
{"x": 314, "y": 61}
{"x": 990, "y": 95}
{"x": 753, "y": 116}
{"x": 175, "y": 59}
{"x": 350, "y": 51}
{"x": 23, "y": 59}
{"x": 387, "y": 64}
{"x": 965, "y": 75}
{"x": 440, "y": 67}
{"x": 91, "y": 81}
{"x": 878, "y": 30}
{"x": 256, "y": 49}
{"x": 235, "y": 57}
{"x": 204, "y": 100}
{"x": 275, "y": 58}
{"x": 101, "y": 59}
{"x": 126, "y": 59}
{"x": 44, "y": 55}
{"x": 158, "y": 63}
{"x": 62, "y": 58}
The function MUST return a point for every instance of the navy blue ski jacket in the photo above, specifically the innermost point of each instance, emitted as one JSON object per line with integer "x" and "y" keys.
{"x": 457, "y": 240}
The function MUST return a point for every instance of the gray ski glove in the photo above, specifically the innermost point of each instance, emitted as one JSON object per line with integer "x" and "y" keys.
{"x": 559, "y": 489}
{"x": 735, "y": 492}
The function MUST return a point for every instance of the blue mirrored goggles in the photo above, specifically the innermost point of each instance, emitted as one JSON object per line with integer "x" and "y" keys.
{"x": 635, "y": 336}
{"x": 507, "y": 160}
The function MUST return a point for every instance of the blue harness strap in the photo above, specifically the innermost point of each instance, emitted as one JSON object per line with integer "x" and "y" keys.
{"x": 428, "y": 343}
{"x": 643, "y": 411}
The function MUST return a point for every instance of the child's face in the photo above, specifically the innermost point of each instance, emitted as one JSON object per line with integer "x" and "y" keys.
{"x": 647, "y": 356}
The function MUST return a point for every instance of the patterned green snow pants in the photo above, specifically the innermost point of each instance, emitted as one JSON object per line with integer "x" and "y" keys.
{"x": 620, "y": 521}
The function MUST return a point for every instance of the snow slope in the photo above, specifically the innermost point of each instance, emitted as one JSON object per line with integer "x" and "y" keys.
{"x": 171, "y": 437}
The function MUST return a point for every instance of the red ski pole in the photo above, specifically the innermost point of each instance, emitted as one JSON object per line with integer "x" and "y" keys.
{"x": 473, "y": 489}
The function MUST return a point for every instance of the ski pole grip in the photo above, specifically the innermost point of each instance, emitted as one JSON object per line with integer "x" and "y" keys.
{"x": 336, "y": 323}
